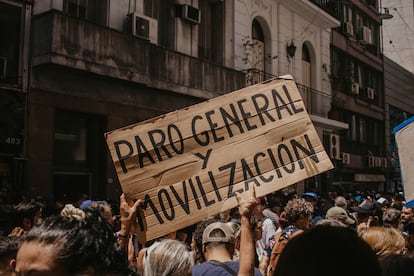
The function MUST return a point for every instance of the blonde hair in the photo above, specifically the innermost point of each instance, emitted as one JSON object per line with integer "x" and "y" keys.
{"x": 384, "y": 240}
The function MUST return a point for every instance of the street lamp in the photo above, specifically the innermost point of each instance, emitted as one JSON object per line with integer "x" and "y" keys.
{"x": 291, "y": 49}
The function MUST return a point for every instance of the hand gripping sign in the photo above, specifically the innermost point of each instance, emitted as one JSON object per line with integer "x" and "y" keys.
{"x": 188, "y": 164}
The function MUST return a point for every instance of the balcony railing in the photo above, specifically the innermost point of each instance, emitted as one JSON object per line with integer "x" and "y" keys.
{"x": 78, "y": 44}
{"x": 330, "y": 6}
{"x": 316, "y": 102}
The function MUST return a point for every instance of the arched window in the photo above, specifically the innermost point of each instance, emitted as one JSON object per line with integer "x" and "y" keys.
{"x": 257, "y": 53}
{"x": 257, "y": 32}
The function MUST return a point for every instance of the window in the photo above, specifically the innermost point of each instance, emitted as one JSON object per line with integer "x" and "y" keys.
{"x": 353, "y": 128}
{"x": 347, "y": 13}
{"x": 76, "y": 138}
{"x": 79, "y": 154}
{"x": 211, "y": 31}
{"x": 92, "y": 10}
{"x": 10, "y": 43}
{"x": 364, "y": 129}
{"x": 151, "y": 8}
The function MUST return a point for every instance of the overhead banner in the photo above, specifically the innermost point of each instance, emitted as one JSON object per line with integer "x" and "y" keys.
{"x": 188, "y": 164}
{"x": 404, "y": 136}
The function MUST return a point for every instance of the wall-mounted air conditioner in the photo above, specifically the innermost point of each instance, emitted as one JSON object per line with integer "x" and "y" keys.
{"x": 334, "y": 146}
{"x": 190, "y": 14}
{"x": 3, "y": 67}
{"x": 346, "y": 158}
{"x": 143, "y": 27}
{"x": 355, "y": 88}
{"x": 348, "y": 29}
{"x": 365, "y": 35}
{"x": 370, "y": 93}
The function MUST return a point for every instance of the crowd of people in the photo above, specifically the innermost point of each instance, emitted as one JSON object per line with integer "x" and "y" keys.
{"x": 365, "y": 233}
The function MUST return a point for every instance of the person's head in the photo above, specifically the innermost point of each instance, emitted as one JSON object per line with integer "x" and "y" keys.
{"x": 391, "y": 217}
{"x": 397, "y": 265}
{"x": 197, "y": 238}
{"x": 27, "y": 214}
{"x": 103, "y": 205}
{"x": 365, "y": 210}
{"x": 75, "y": 242}
{"x": 168, "y": 258}
{"x": 326, "y": 250}
{"x": 257, "y": 230}
{"x": 218, "y": 236}
{"x": 341, "y": 201}
{"x": 384, "y": 240}
{"x": 311, "y": 197}
{"x": 338, "y": 213}
{"x": 410, "y": 234}
{"x": 283, "y": 222}
{"x": 8, "y": 251}
{"x": 407, "y": 213}
{"x": 299, "y": 213}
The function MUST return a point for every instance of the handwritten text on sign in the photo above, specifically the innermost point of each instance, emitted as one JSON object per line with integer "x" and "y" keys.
{"x": 188, "y": 164}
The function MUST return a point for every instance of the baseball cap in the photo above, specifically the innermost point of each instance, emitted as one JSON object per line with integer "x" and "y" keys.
{"x": 338, "y": 213}
{"x": 85, "y": 204}
{"x": 365, "y": 207}
{"x": 218, "y": 232}
{"x": 312, "y": 195}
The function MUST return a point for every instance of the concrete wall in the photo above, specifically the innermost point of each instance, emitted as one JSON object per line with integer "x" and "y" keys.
{"x": 77, "y": 44}
{"x": 399, "y": 91}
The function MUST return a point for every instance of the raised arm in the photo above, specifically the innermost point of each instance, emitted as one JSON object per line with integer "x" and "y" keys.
{"x": 128, "y": 210}
{"x": 247, "y": 201}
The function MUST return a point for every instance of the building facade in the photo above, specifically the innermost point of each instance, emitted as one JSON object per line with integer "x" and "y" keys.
{"x": 96, "y": 66}
{"x": 399, "y": 106}
{"x": 361, "y": 156}
{"x": 15, "y": 19}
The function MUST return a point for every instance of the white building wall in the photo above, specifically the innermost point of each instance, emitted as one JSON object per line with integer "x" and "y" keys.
{"x": 284, "y": 25}
{"x": 398, "y": 32}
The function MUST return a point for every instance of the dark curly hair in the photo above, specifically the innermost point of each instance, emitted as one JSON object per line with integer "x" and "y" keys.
{"x": 82, "y": 242}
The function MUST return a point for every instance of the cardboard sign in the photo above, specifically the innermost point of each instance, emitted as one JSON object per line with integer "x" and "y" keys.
{"x": 188, "y": 164}
{"x": 404, "y": 136}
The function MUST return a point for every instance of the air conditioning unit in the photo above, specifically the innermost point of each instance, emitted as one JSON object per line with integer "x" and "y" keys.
{"x": 348, "y": 29}
{"x": 365, "y": 35}
{"x": 334, "y": 146}
{"x": 190, "y": 14}
{"x": 346, "y": 158}
{"x": 3, "y": 67}
{"x": 355, "y": 88}
{"x": 143, "y": 27}
{"x": 370, "y": 93}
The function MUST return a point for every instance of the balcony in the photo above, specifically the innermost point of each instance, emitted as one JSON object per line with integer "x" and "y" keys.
{"x": 331, "y": 7}
{"x": 317, "y": 103}
{"x": 77, "y": 44}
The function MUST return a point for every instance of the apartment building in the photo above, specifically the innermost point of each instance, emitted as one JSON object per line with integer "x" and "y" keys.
{"x": 98, "y": 65}
{"x": 14, "y": 76}
{"x": 361, "y": 157}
